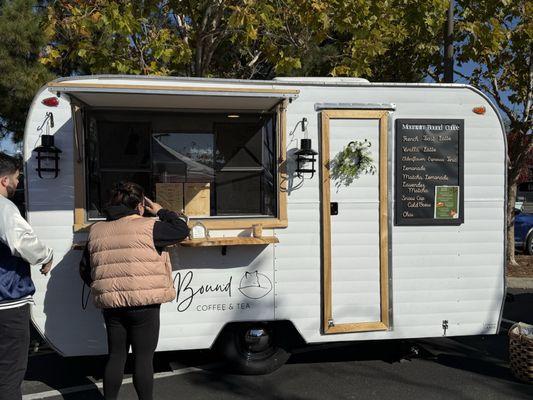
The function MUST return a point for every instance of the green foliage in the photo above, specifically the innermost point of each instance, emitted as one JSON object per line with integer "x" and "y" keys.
{"x": 388, "y": 40}
{"x": 350, "y": 163}
{"x": 246, "y": 38}
{"x": 21, "y": 74}
{"x": 497, "y": 37}
{"x": 104, "y": 36}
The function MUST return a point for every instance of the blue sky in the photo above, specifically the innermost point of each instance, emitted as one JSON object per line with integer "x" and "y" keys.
{"x": 8, "y": 146}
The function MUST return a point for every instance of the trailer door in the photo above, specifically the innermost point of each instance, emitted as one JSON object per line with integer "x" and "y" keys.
{"x": 355, "y": 226}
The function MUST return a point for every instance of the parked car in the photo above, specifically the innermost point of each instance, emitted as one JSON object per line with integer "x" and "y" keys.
{"x": 523, "y": 232}
{"x": 524, "y": 197}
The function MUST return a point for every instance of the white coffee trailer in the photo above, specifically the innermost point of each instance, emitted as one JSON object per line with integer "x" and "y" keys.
{"x": 414, "y": 247}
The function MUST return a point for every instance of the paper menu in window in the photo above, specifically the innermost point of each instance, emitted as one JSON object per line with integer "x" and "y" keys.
{"x": 198, "y": 199}
{"x": 170, "y": 195}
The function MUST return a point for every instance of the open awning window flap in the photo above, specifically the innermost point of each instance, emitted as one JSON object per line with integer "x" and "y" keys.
{"x": 174, "y": 97}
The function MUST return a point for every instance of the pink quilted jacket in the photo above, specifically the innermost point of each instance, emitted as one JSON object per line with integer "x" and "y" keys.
{"x": 127, "y": 270}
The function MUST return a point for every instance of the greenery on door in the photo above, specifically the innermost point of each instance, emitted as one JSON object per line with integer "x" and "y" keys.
{"x": 352, "y": 162}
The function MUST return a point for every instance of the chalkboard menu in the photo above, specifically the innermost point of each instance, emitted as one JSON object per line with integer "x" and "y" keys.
{"x": 429, "y": 172}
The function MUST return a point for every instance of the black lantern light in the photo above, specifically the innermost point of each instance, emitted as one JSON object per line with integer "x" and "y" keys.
{"x": 305, "y": 159}
{"x": 47, "y": 158}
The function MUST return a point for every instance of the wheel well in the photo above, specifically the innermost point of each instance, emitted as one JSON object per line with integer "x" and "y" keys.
{"x": 287, "y": 335}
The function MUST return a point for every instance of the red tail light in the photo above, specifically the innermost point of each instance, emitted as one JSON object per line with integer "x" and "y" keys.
{"x": 51, "y": 102}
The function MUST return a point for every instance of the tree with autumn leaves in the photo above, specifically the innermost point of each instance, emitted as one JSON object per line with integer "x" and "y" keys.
{"x": 21, "y": 73}
{"x": 245, "y": 38}
{"x": 496, "y": 37}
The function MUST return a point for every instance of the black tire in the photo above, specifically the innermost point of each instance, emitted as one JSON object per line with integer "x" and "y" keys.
{"x": 529, "y": 245}
{"x": 262, "y": 357}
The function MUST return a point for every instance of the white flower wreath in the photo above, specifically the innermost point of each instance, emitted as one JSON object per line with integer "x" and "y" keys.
{"x": 355, "y": 159}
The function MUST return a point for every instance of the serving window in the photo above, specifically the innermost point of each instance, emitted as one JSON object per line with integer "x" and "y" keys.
{"x": 225, "y": 169}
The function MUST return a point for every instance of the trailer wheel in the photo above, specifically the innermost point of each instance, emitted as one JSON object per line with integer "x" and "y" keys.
{"x": 252, "y": 349}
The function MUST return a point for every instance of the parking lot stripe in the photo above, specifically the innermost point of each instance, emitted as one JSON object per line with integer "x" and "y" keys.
{"x": 99, "y": 385}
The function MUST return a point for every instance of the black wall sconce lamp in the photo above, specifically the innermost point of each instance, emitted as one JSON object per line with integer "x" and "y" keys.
{"x": 47, "y": 158}
{"x": 306, "y": 156}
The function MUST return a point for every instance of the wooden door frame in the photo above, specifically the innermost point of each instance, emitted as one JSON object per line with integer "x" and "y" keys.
{"x": 328, "y": 324}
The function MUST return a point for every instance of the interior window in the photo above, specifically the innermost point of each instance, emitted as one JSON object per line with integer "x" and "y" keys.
{"x": 242, "y": 172}
{"x": 204, "y": 164}
{"x": 183, "y": 171}
{"x": 115, "y": 151}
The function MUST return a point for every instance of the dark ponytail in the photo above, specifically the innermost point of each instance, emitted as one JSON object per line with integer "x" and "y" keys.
{"x": 128, "y": 194}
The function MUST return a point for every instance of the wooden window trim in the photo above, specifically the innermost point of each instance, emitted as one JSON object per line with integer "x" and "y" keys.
{"x": 219, "y": 223}
{"x": 79, "y": 169}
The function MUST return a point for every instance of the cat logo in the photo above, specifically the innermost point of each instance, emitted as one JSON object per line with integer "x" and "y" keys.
{"x": 255, "y": 285}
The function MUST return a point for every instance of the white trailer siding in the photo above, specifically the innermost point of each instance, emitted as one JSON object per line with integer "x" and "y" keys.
{"x": 438, "y": 273}
{"x": 452, "y": 273}
{"x": 50, "y": 212}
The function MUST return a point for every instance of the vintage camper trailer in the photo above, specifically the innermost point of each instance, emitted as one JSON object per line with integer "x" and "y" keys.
{"x": 386, "y": 222}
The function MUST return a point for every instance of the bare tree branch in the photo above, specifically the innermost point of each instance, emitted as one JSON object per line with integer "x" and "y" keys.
{"x": 496, "y": 94}
{"x": 462, "y": 75}
{"x": 182, "y": 27}
{"x": 434, "y": 75}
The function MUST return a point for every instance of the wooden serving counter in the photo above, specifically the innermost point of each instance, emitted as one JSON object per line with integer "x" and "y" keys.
{"x": 211, "y": 242}
{"x": 229, "y": 241}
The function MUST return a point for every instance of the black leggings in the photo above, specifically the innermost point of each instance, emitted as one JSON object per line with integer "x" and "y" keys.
{"x": 138, "y": 327}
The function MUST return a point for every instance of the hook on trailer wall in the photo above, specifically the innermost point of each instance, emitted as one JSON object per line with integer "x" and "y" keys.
{"x": 49, "y": 117}
{"x": 47, "y": 124}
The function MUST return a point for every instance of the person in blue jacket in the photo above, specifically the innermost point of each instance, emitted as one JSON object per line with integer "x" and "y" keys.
{"x": 19, "y": 248}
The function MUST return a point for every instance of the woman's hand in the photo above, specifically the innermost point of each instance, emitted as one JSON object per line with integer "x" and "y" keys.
{"x": 151, "y": 206}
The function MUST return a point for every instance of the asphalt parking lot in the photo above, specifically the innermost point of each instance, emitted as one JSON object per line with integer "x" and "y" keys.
{"x": 441, "y": 368}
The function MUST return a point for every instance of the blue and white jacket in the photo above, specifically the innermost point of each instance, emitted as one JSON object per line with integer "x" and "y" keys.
{"x": 19, "y": 248}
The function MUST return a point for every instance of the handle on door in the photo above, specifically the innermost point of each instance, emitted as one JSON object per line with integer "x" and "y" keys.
{"x": 334, "y": 208}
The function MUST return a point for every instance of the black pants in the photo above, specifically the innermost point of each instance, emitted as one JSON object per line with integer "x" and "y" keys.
{"x": 138, "y": 327}
{"x": 14, "y": 344}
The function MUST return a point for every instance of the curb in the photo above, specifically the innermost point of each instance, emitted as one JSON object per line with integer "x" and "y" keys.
{"x": 519, "y": 283}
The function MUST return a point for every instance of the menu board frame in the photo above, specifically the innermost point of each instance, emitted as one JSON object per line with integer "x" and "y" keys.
{"x": 399, "y": 219}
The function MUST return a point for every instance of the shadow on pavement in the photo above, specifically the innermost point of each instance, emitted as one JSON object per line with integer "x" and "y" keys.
{"x": 519, "y": 307}
{"x": 378, "y": 369}
{"x": 51, "y": 371}
{"x": 389, "y": 351}
{"x": 60, "y": 373}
